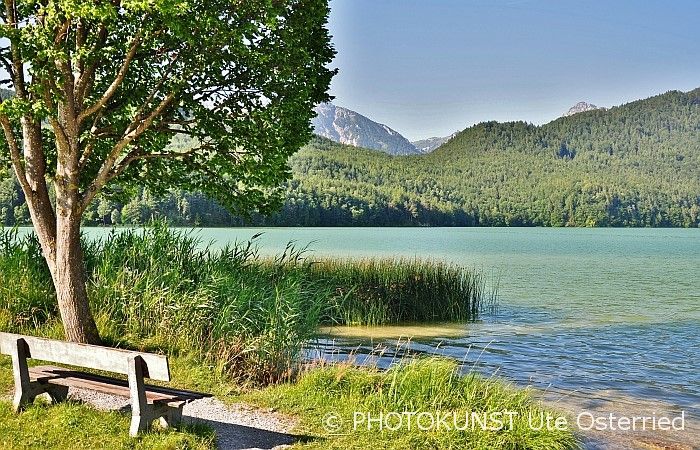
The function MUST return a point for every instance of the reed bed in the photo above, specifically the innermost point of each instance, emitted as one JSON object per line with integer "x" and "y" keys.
{"x": 384, "y": 291}
{"x": 27, "y": 297}
{"x": 247, "y": 316}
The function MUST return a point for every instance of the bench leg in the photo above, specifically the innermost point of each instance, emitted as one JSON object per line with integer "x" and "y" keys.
{"x": 141, "y": 416}
{"x": 25, "y": 390}
{"x": 24, "y": 396}
{"x": 21, "y": 400}
{"x": 143, "y": 413}
{"x": 139, "y": 423}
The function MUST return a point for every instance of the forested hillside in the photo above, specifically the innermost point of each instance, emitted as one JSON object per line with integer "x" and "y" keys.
{"x": 633, "y": 165}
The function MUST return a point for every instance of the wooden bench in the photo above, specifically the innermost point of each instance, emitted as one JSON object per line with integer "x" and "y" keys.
{"x": 147, "y": 402}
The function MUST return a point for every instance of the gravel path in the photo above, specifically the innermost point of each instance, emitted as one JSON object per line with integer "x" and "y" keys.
{"x": 237, "y": 426}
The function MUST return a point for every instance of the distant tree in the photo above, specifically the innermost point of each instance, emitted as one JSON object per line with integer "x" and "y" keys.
{"x": 104, "y": 209}
{"x": 115, "y": 218}
{"x": 21, "y": 214}
{"x": 114, "y": 81}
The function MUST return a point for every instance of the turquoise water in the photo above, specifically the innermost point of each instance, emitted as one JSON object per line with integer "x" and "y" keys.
{"x": 578, "y": 277}
{"x": 582, "y": 312}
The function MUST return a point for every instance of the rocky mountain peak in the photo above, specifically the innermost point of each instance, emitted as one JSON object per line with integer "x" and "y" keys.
{"x": 349, "y": 127}
{"x": 581, "y": 107}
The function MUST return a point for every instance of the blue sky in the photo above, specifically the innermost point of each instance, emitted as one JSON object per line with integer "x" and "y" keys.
{"x": 431, "y": 67}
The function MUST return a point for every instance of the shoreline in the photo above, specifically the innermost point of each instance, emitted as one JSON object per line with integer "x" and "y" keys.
{"x": 599, "y": 404}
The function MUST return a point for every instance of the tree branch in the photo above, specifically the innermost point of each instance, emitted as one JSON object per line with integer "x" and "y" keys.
{"x": 58, "y": 129}
{"x": 112, "y": 89}
{"x": 83, "y": 84}
{"x": 135, "y": 129}
{"x": 90, "y": 147}
{"x": 135, "y": 155}
{"x": 35, "y": 163}
{"x": 157, "y": 87}
{"x": 15, "y": 153}
{"x": 17, "y": 72}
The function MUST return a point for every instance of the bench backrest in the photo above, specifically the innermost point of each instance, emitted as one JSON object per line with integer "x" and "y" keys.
{"x": 89, "y": 356}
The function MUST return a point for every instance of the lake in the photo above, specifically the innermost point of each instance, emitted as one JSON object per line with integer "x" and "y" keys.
{"x": 596, "y": 318}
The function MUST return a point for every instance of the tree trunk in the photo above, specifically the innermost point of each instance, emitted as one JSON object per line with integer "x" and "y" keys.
{"x": 69, "y": 281}
{"x": 59, "y": 235}
{"x": 58, "y": 230}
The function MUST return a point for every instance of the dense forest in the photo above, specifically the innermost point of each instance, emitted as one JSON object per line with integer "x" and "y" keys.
{"x": 633, "y": 165}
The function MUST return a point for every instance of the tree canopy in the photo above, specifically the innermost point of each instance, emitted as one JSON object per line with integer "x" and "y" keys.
{"x": 240, "y": 77}
{"x": 100, "y": 87}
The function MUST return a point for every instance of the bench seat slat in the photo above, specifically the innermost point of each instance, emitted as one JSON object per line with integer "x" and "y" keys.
{"x": 54, "y": 371}
{"x": 91, "y": 356}
{"x": 71, "y": 378}
{"x": 63, "y": 372}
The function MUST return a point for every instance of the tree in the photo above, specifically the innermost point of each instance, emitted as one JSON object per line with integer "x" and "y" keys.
{"x": 104, "y": 210}
{"x": 115, "y": 217}
{"x": 102, "y": 86}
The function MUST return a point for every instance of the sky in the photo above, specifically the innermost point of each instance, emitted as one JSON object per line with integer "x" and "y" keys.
{"x": 431, "y": 67}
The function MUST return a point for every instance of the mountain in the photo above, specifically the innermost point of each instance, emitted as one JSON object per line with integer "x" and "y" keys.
{"x": 582, "y": 107}
{"x": 348, "y": 127}
{"x": 634, "y": 165}
{"x": 430, "y": 144}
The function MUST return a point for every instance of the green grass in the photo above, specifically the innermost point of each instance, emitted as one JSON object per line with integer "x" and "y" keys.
{"x": 72, "y": 425}
{"x": 423, "y": 385}
{"x": 6, "y": 381}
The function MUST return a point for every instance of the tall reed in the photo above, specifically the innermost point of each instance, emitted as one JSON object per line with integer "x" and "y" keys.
{"x": 27, "y": 297}
{"x": 381, "y": 291}
{"x": 163, "y": 288}
{"x": 159, "y": 288}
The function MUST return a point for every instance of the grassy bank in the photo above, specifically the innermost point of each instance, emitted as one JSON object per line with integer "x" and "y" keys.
{"x": 326, "y": 400}
{"x": 71, "y": 425}
{"x": 248, "y": 316}
{"x": 337, "y": 405}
